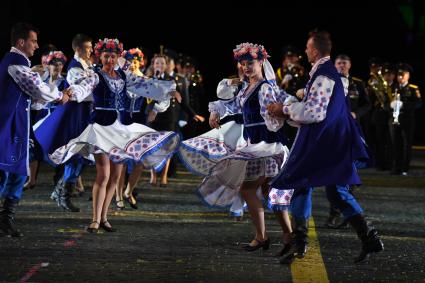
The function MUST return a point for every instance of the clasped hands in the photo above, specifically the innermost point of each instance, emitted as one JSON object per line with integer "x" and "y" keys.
{"x": 66, "y": 95}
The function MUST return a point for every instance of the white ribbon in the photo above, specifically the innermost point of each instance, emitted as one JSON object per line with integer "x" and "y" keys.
{"x": 269, "y": 72}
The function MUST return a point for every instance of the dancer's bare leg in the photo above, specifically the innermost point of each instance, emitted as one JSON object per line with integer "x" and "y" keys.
{"x": 164, "y": 173}
{"x": 115, "y": 173}
{"x": 133, "y": 179}
{"x": 99, "y": 187}
{"x": 255, "y": 206}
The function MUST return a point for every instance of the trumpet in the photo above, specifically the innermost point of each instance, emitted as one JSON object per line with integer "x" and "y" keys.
{"x": 397, "y": 107}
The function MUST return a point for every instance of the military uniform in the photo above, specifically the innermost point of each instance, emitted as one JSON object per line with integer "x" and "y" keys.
{"x": 168, "y": 120}
{"x": 197, "y": 98}
{"x": 380, "y": 115}
{"x": 402, "y": 132}
{"x": 291, "y": 77}
{"x": 359, "y": 99}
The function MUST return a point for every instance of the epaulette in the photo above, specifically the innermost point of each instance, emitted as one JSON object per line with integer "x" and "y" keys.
{"x": 413, "y": 86}
{"x": 279, "y": 73}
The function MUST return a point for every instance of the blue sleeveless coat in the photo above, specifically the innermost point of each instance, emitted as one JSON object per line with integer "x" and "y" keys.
{"x": 324, "y": 153}
{"x": 14, "y": 119}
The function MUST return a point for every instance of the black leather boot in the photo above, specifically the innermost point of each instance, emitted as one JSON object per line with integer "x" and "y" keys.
{"x": 7, "y": 218}
{"x": 64, "y": 199}
{"x": 301, "y": 237}
{"x": 371, "y": 243}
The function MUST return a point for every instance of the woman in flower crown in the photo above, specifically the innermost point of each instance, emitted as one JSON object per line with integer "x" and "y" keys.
{"x": 55, "y": 61}
{"x": 135, "y": 113}
{"x": 232, "y": 167}
{"x": 112, "y": 136}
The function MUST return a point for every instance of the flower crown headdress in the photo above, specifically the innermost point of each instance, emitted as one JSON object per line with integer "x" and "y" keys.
{"x": 249, "y": 51}
{"x": 55, "y": 56}
{"x": 134, "y": 54}
{"x": 108, "y": 45}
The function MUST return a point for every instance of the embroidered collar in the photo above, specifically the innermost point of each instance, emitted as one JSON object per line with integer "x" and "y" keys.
{"x": 245, "y": 94}
{"x": 86, "y": 65}
{"x": 316, "y": 65}
{"x": 116, "y": 84}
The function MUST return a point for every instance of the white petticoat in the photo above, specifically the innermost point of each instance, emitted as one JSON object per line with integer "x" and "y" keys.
{"x": 135, "y": 142}
{"x": 227, "y": 160}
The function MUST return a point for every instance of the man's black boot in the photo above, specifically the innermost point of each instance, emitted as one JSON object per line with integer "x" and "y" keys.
{"x": 371, "y": 243}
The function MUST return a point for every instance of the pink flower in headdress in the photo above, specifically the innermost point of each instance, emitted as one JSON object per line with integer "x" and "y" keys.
{"x": 58, "y": 55}
{"x": 254, "y": 49}
{"x": 99, "y": 44}
{"x": 110, "y": 44}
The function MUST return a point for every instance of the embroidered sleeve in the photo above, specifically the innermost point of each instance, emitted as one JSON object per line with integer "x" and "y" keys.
{"x": 313, "y": 108}
{"x": 268, "y": 95}
{"x": 82, "y": 83}
{"x": 226, "y": 91}
{"x": 150, "y": 88}
{"x": 282, "y": 95}
{"x": 31, "y": 83}
{"x": 225, "y": 108}
{"x": 161, "y": 106}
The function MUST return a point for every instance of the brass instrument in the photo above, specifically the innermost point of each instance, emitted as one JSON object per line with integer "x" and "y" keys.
{"x": 379, "y": 87}
{"x": 397, "y": 107}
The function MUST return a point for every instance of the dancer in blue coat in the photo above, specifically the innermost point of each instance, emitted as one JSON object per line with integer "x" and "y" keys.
{"x": 325, "y": 149}
{"x": 69, "y": 121}
{"x": 18, "y": 87}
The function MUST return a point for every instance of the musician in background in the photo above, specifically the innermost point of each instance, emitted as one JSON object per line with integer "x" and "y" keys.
{"x": 291, "y": 77}
{"x": 359, "y": 100}
{"x": 378, "y": 133}
{"x": 406, "y": 98}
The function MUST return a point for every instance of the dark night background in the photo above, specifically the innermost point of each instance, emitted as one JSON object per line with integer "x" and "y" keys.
{"x": 392, "y": 30}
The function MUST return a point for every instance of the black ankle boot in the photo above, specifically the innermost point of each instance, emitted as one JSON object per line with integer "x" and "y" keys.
{"x": 64, "y": 200}
{"x": 7, "y": 218}
{"x": 301, "y": 237}
{"x": 371, "y": 243}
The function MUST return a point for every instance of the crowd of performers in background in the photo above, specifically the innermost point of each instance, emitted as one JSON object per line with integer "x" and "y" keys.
{"x": 126, "y": 111}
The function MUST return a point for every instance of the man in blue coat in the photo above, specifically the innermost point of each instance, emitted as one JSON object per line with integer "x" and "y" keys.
{"x": 69, "y": 121}
{"x": 19, "y": 86}
{"x": 325, "y": 149}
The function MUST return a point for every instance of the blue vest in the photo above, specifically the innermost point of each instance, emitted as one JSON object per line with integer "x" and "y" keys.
{"x": 14, "y": 119}
{"x": 324, "y": 153}
{"x": 255, "y": 128}
{"x": 133, "y": 112}
{"x": 107, "y": 104}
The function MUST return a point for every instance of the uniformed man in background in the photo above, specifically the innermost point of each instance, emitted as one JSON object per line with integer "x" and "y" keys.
{"x": 406, "y": 99}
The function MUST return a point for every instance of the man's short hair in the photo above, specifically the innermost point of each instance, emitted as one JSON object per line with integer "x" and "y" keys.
{"x": 321, "y": 41}
{"x": 343, "y": 57}
{"x": 21, "y": 31}
{"x": 79, "y": 40}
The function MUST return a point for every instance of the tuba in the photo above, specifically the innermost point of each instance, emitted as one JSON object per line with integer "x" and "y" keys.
{"x": 380, "y": 87}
